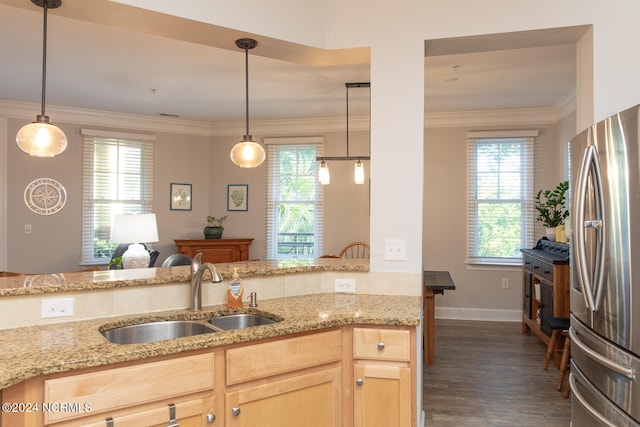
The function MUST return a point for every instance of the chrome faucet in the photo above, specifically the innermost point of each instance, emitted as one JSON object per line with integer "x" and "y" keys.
{"x": 197, "y": 270}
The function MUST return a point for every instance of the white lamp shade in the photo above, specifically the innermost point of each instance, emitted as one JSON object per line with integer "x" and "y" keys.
{"x": 134, "y": 229}
{"x": 323, "y": 174}
{"x": 358, "y": 175}
{"x": 247, "y": 153}
{"x": 41, "y": 139}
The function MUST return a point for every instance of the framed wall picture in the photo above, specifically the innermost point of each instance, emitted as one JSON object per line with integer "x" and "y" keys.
{"x": 237, "y": 197}
{"x": 180, "y": 197}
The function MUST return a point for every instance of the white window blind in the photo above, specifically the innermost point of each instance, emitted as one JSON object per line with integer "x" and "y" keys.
{"x": 117, "y": 179}
{"x": 294, "y": 201}
{"x": 499, "y": 196}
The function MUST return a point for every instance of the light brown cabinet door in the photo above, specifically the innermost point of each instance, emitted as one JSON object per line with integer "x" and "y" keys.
{"x": 310, "y": 400}
{"x": 382, "y": 396}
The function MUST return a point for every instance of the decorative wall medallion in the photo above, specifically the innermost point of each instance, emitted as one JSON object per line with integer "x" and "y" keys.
{"x": 45, "y": 196}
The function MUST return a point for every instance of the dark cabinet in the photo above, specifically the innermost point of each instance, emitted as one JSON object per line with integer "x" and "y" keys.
{"x": 545, "y": 287}
{"x": 528, "y": 295}
{"x": 546, "y": 307}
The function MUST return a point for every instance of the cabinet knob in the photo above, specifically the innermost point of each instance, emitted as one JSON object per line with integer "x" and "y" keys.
{"x": 359, "y": 381}
{"x": 211, "y": 418}
{"x": 381, "y": 346}
{"x": 235, "y": 411}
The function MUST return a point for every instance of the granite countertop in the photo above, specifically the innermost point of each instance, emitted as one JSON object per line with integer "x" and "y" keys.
{"x": 37, "y": 350}
{"x": 64, "y": 282}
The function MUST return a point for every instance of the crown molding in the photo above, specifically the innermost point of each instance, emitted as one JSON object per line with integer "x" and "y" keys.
{"x": 58, "y": 114}
{"x": 522, "y": 116}
{"x": 566, "y": 105}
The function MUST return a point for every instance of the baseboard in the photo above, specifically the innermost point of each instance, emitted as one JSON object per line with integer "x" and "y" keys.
{"x": 494, "y": 315}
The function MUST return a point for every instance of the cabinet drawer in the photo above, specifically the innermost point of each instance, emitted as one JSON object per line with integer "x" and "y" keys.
{"x": 194, "y": 411}
{"x": 541, "y": 268}
{"x": 132, "y": 385}
{"x": 277, "y": 357}
{"x": 546, "y": 271}
{"x": 381, "y": 344}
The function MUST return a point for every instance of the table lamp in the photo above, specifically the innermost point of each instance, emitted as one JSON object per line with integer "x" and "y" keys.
{"x": 138, "y": 229}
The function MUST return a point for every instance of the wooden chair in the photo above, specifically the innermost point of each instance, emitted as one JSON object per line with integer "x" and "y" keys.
{"x": 359, "y": 250}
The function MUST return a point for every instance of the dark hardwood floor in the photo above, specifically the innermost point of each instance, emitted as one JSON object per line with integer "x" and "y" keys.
{"x": 490, "y": 374}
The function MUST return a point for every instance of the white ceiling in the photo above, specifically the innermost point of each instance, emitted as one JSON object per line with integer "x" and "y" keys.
{"x": 113, "y": 68}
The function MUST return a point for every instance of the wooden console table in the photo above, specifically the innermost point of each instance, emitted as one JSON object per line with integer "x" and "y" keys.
{"x": 435, "y": 282}
{"x": 216, "y": 251}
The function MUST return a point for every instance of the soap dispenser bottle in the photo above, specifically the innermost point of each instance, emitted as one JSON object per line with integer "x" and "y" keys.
{"x": 234, "y": 292}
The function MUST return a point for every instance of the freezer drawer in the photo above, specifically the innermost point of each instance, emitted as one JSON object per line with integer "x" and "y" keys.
{"x": 589, "y": 407}
{"x": 610, "y": 369}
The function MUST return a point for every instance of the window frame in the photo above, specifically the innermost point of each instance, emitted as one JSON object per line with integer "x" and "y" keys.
{"x": 526, "y": 199}
{"x": 91, "y": 139}
{"x": 274, "y": 147}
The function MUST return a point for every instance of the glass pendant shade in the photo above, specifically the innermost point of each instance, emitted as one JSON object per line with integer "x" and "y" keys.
{"x": 41, "y": 138}
{"x": 358, "y": 175}
{"x": 247, "y": 153}
{"x": 323, "y": 173}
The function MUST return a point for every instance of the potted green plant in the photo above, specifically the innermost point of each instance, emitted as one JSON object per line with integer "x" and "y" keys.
{"x": 214, "y": 227}
{"x": 115, "y": 263}
{"x": 551, "y": 208}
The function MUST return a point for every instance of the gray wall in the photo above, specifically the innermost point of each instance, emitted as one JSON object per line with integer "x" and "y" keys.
{"x": 202, "y": 161}
{"x": 478, "y": 288}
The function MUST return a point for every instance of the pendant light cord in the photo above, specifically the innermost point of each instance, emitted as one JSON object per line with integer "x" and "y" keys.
{"x": 44, "y": 57}
{"x": 347, "y": 98}
{"x": 246, "y": 88}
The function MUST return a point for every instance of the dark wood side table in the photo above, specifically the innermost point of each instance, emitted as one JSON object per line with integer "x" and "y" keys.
{"x": 435, "y": 282}
{"x": 216, "y": 251}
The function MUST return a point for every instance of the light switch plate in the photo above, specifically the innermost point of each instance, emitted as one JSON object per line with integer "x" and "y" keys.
{"x": 395, "y": 250}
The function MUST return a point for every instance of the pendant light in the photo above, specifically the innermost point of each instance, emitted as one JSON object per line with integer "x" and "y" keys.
{"x": 358, "y": 172}
{"x": 41, "y": 138}
{"x": 323, "y": 173}
{"x": 247, "y": 153}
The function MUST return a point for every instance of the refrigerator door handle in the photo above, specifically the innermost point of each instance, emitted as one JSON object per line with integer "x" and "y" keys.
{"x": 627, "y": 371}
{"x": 591, "y": 287}
{"x": 594, "y": 413}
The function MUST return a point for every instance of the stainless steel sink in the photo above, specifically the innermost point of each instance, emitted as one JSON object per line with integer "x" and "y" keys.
{"x": 240, "y": 321}
{"x": 157, "y": 331}
{"x": 170, "y": 329}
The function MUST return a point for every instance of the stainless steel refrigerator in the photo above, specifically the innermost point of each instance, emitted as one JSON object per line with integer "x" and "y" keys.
{"x": 605, "y": 273}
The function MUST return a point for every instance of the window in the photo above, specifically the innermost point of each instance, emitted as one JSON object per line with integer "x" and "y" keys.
{"x": 117, "y": 179}
{"x": 294, "y": 202}
{"x": 500, "y": 196}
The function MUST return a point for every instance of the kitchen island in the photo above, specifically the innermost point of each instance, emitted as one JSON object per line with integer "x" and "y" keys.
{"x": 42, "y": 357}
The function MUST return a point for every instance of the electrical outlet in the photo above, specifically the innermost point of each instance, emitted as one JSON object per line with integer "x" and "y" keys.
{"x": 505, "y": 283}
{"x": 345, "y": 285}
{"x": 27, "y": 229}
{"x": 58, "y": 307}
